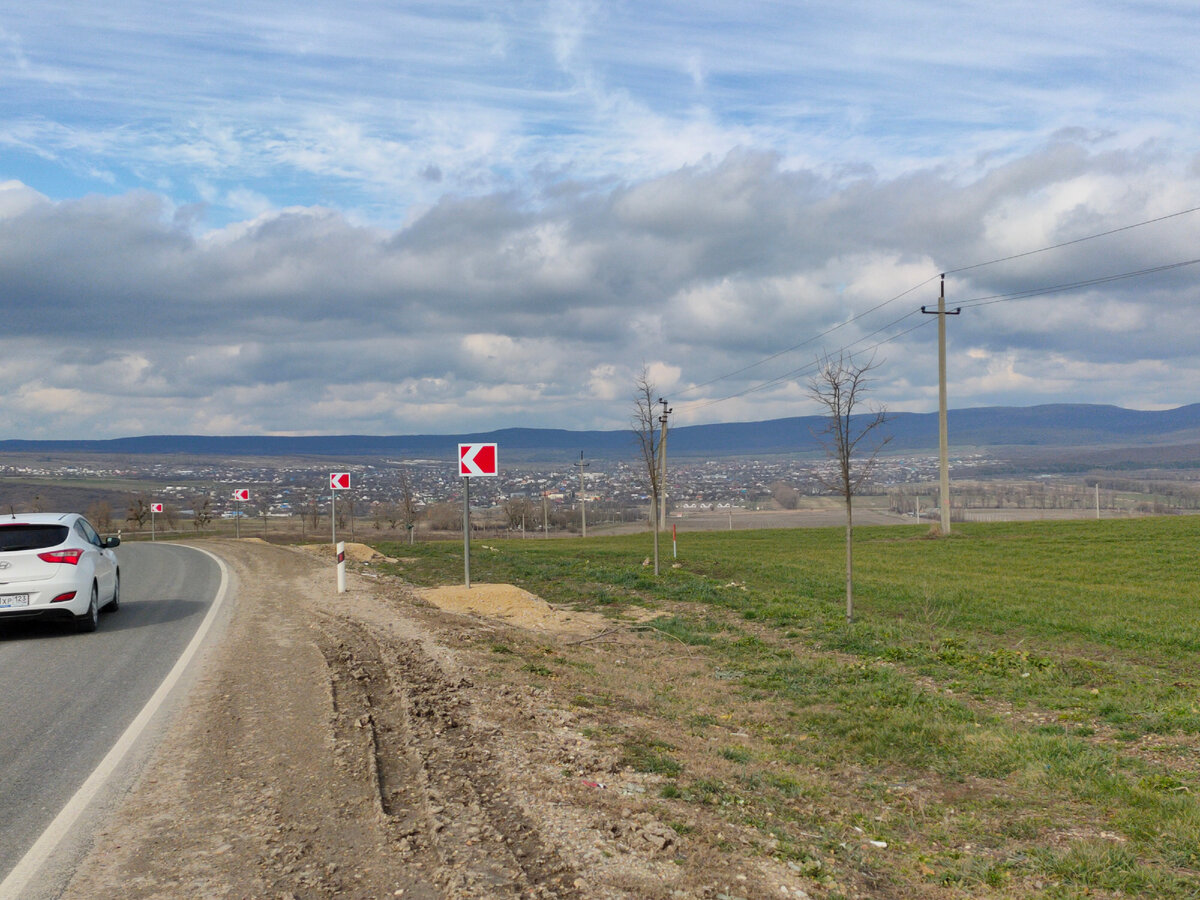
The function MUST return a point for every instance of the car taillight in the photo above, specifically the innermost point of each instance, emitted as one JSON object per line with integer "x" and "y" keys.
{"x": 63, "y": 598}
{"x": 70, "y": 557}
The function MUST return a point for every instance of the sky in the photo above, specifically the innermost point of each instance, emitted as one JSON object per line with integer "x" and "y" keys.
{"x": 262, "y": 217}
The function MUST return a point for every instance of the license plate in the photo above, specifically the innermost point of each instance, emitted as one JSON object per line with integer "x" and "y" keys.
{"x": 9, "y": 601}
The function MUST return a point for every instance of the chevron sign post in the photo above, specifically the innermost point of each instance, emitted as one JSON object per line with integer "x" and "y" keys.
{"x": 474, "y": 461}
{"x": 240, "y": 495}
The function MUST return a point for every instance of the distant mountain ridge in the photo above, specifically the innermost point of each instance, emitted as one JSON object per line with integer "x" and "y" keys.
{"x": 1063, "y": 425}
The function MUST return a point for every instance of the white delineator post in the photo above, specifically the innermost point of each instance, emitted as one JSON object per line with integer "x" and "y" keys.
{"x": 338, "y": 481}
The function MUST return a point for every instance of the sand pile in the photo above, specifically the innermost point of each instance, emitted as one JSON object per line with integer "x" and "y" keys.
{"x": 512, "y": 605}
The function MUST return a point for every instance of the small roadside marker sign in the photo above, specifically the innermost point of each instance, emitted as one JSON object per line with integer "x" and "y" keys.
{"x": 155, "y": 507}
{"x": 475, "y": 460}
{"x": 241, "y": 494}
{"x": 339, "y": 481}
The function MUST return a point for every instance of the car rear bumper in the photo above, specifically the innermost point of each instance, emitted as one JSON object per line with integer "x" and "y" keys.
{"x": 58, "y": 613}
{"x": 41, "y": 595}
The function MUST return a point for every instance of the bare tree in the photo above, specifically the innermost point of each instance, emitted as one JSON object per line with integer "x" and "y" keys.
{"x": 202, "y": 512}
{"x": 785, "y": 495}
{"x": 312, "y": 513}
{"x": 518, "y": 511}
{"x": 445, "y": 516}
{"x": 384, "y": 512}
{"x": 838, "y": 387}
{"x": 139, "y": 511}
{"x": 408, "y": 505}
{"x": 645, "y": 429}
{"x": 100, "y": 514}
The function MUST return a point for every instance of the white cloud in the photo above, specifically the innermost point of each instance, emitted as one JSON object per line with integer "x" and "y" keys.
{"x": 495, "y": 311}
{"x": 17, "y": 198}
{"x": 268, "y": 217}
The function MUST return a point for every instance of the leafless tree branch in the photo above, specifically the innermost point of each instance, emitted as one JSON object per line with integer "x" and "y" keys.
{"x": 838, "y": 387}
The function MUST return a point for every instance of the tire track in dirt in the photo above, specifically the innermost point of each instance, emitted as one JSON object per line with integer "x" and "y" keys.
{"x": 438, "y": 791}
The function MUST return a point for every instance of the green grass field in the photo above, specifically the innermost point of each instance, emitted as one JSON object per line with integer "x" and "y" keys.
{"x": 1018, "y": 704}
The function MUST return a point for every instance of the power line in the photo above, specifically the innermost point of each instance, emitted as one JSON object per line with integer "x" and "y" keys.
{"x": 1090, "y": 237}
{"x": 810, "y": 340}
{"x": 1074, "y": 285}
{"x": 812, "y": 367}
{"x": 974, "y": 302}
{"x": 965, "y": 304}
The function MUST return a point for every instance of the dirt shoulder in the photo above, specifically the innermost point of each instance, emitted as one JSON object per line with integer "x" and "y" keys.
{"x": 371, "y": 745}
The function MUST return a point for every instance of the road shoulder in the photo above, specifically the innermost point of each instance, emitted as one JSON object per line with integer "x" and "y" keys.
{"x": 367, "y": 745}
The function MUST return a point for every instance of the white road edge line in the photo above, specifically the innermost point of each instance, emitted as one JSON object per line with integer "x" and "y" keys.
{"x": 33, "y": 860}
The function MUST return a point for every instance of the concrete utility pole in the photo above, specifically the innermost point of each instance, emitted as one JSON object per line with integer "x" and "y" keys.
{"x": 582, "y": 503}
{"x": 943, "y": 431}
{"x": 662, "y": 463}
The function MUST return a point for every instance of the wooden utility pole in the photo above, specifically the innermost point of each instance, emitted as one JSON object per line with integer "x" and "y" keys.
{"x": 943, "y": 430}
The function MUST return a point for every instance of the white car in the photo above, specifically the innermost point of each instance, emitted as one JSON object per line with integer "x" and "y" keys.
{"x": 56, "y": 566}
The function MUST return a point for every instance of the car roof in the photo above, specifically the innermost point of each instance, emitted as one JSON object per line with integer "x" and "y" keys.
{"x": 42, "y": 518}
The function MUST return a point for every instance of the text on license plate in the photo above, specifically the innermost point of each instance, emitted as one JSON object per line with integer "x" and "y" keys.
{"x": 7, "y": 601}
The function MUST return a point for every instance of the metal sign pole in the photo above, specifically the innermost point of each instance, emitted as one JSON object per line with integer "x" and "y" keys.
{"x": 467, "y": 531}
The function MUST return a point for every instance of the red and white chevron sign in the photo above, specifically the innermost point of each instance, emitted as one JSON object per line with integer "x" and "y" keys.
{"x": 339, "y": 481}
{"x": 475, "y": 460}
{"x": 241, "y": 494}
{"x": 155, "y": 507}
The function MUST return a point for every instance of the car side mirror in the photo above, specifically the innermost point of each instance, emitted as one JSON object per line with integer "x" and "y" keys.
{"x": 109, "y": 543}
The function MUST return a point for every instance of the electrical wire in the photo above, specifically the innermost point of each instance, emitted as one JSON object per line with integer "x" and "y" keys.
{"x": 1090, "y": 237}
{"x": 808, "y": 341}
{"x": 966, "y": 304}
{"x": 810, "y": 367}
{"x": 976, "y": 302}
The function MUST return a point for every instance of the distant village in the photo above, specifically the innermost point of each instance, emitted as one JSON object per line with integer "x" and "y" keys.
{"x": 397, "y": 492}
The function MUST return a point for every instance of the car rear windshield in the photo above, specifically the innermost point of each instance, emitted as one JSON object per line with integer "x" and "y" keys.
{"x": 31, "y": 537}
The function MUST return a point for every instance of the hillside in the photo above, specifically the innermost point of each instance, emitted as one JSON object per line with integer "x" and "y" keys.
{"x": 1038, "y": 427}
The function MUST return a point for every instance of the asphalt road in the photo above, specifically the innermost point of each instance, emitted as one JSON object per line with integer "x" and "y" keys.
{"x": 66, "y": 698}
